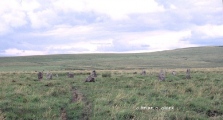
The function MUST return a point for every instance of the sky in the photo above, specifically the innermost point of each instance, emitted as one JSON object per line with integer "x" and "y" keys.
{"x": 42, "y": 27}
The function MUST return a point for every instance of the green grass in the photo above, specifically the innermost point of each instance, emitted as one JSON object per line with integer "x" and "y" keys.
{"x": 121, "y": 96}
{"x": 117, "y": 93}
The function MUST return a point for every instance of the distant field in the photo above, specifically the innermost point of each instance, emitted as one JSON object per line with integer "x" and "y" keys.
{"x": 203, "y": 57}
{"x": 118, "y": 93}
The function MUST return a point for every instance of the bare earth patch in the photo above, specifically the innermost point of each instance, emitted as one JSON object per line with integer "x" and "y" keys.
{"x": 63, "y": 114}
{"x": 77, "y": 96}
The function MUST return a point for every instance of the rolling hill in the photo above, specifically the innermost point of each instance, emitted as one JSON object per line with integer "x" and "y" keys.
{"x": 196, "y": 57}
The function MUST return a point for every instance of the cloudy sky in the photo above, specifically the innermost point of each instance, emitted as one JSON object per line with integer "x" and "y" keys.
{"x": 39, "y": 27}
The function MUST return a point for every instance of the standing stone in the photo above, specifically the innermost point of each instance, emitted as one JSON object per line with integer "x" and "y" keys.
{"x": 93, "y": 73}
{"x": 90, "y": 79}
{"x": 174, "y": 73}
{"x": 162, "y": 75}
{"x": 49, "y": 76}
{"x": 188, "y": 74}
{"x": 70, "y": 75}
{"x": 143, "y": 72}
{"x": 40, "y": 75}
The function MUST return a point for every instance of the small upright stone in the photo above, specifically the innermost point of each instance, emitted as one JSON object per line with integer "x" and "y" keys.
{"x": 40, "y": 75}
{"x": 70, "y": 75}
{"x": 162, "y": 75}
{"x": 143, "y": 72}
{"x": 93, "y": 74}
{"x": 188, "y": 74}
{"x": 49, "y": 76}
{"x": 90, "y": 79}
{"x": 174, "y": 73}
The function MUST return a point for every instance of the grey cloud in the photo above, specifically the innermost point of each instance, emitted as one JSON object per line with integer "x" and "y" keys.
{"x": 207, "y": 42}
{"x": 202, "y": 39}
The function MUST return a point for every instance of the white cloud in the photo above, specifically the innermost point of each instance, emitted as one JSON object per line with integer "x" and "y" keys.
{"x": 29, "y": 5}
{"x": 69, "y": 5}
{"x": 116, "y": 9}
{"x": 17, "y": 52}
{"x": 17, "y": 13}
{"x": 4, "y": 28}
{"x": 8, "y": 6}
{"x": 67, "y": 30}
{"x": 78, "y": 45}
{"x": 154, "y": 40}
{"x": 11, "y": 16}
{"x": 42, "y": 18}
{"x": 209, "y": 31}
{"x": 14, "y": 19}
{"x": 120, "y": 9}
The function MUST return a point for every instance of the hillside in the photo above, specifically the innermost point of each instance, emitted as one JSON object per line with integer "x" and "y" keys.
{"x": 197, "y": 57}
{"x": 119, "y": 92}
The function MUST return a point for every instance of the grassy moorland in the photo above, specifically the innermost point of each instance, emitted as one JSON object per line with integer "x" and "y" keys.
{"x": 117, "y": 93}
{"x": 203, "y": 57}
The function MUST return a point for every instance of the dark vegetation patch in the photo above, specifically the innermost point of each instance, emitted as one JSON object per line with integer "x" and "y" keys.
{"x": 214, "y": 113}
{"x": 108, "y": 74}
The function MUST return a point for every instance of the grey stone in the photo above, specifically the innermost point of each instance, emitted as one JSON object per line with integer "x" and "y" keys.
{"x": 188, "y": 74}
{"x": 49, "y": 76}
{"x": 162, "y": 75}
{"x": 143, "y": 72}
{"x": 90, "y": 79}
{"x": 174, "y": 73}
{"x": 40, "y": 75}
{"x": 70, "y": 75}
{"x": 93, "y": 73}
